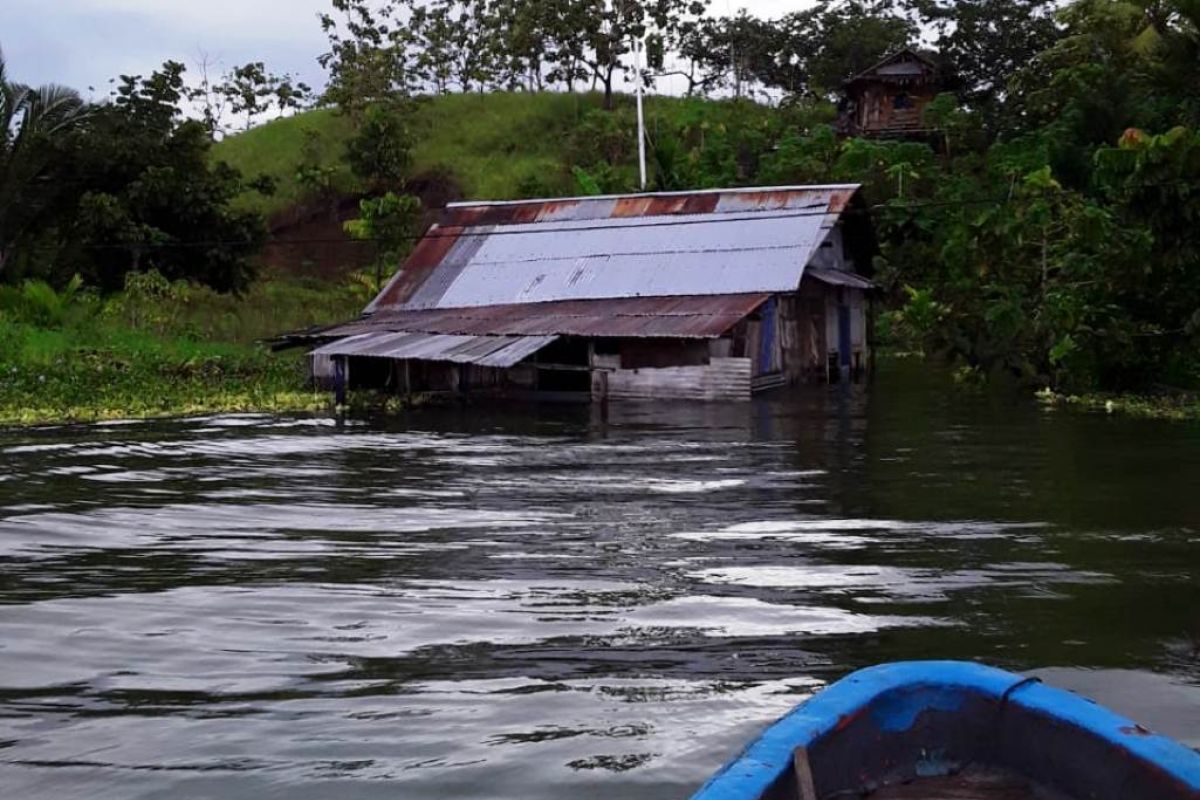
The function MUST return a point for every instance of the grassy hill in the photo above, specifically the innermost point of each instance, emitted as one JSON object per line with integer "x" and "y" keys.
{"x": 495, "y": 146}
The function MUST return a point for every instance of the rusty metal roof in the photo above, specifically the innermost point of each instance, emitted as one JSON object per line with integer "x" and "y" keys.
{"x": 486, "y": 351}
{"x": 880, "y": 70}
{"x": 729, "y": 242}
{"x": 839, "y": 277}
{"x": 696, "y": 317}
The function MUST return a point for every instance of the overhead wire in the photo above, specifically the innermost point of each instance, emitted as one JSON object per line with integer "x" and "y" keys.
{"x": 530, "y": 228}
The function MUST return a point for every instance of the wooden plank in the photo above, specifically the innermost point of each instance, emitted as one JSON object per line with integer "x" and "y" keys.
{"x": 806, "y": 788}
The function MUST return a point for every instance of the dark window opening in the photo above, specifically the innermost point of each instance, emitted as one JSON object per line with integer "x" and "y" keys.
{"x": 738, "y": 350}
{"x": 562, "y": 381}
{"x": 432, "y": 376}
{"x": 608, "y": 347}
{"x": 833, "y": 367}
{"x": 653, "y": 354}
{"x": 902, "y": 101}
{"x": 370, "y": 373}
{"x": 565, "y": 352}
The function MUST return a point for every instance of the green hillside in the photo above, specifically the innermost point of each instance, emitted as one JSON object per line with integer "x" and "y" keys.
{"x": 276, "y": 150}
{"x": 495, "y": 146}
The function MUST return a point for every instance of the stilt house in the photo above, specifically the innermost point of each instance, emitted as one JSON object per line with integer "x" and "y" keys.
{"x": 890, "y": 98}
{"x": 700, "y": 295}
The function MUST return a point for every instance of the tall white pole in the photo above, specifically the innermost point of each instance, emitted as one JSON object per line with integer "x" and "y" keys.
{"x": 641, "y": 112}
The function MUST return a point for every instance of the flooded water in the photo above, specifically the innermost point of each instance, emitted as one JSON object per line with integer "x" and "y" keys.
{"x": 522, "y": 604}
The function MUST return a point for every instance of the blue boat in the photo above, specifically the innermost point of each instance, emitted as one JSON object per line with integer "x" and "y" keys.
{"x": 949, "y": 730}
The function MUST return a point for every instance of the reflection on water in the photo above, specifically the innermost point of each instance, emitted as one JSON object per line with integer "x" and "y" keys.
{"x": 533, "y": 603}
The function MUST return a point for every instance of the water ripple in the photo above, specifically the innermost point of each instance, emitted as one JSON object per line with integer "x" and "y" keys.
{"x": 502, "y": 605}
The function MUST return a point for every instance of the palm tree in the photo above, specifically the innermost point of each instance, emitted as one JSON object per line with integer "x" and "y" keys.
{"x": 32, "y": 121}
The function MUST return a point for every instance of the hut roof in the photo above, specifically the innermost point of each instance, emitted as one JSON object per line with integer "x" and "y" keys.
{"x": 906, "y": 64}
{"x": 617, "y": 247}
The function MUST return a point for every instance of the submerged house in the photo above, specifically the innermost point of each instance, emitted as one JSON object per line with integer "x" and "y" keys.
{"x": 701, "y": 295}
{"x": 890, "y": 98}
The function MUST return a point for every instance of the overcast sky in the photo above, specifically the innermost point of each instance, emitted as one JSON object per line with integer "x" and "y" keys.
{"x": 84, "y": 43}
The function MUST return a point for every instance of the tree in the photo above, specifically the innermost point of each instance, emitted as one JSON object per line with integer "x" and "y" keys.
{"x": 290, "y": 93}
{"x": 1153, "y": 184}
{"x": 562, "y": 51}
{"x": 852, "y": 37}
{"x": 524, "y": 42}
{"x": 1177, "y": 48}
{"x": 315, "y": 174}
{"x": 391, "y": 221}
{"x": 148, "y": 195}
{"x": 372, "y": 57}
{"x": 814, "y": 51}
{"x": 209, "y": 96}
{"x": 698, "y": 46}
{"x": 249, "y": 89}
{"x": 985, "y": 42}
{"x": 1028, "y": 285}
{"x": 457, "y": 43}
{"x": 750, "y": 48}
{"x": 35, "y": 129}
{"x": 609, "y": 29}
{"x": 804, "y": 54}
{"x": 1112, "y": 68}
{"x": 436, "y": 42}
{"x": 379, "y": 152}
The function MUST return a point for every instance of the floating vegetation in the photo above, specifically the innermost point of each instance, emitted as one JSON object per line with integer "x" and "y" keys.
{"x": 1176, "y": 406}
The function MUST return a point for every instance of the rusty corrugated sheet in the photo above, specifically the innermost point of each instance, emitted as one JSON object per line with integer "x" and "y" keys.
{"x": 695, "y": 317}
{"x": 486, "y": 351}
{"x": 839, "y": 277}
{"x": 693, "y": 243}
{"x": 721, "y": 379}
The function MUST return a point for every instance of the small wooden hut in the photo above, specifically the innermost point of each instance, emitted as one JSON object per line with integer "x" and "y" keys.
{"x": 889, "y": 99}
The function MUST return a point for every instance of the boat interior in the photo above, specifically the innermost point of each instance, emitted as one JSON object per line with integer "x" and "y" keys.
{"x": 919, "y": 743}
{"x": 976, "y": 783}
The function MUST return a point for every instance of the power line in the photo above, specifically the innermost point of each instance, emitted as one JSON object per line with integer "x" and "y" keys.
{"x": 436, "y": 233}
{"x": 467, "y": 232}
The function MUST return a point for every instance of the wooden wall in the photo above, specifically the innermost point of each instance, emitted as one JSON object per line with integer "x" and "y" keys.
{"x": 320, "y": 369}
{"x": 720, "y": 379}
{"x": 877, "y": 112}
{"x": 856, "y": 301}
{"x": 794, "y": 338}
{"x": 806, "y": 342}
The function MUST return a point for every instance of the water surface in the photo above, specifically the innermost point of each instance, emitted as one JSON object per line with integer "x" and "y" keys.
{"x": 548, "y": 603}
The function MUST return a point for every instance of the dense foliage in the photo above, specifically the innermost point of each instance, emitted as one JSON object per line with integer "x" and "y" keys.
{"x": 101, "y": 190}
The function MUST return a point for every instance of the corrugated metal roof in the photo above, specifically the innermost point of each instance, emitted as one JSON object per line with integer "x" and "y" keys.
{"x": 728, "y": 242}
{"x": 878, "y": 69}
{"x": 839, "y": 277}
{"x": 654, "y": 317}
{"x": 486, "y": 351}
